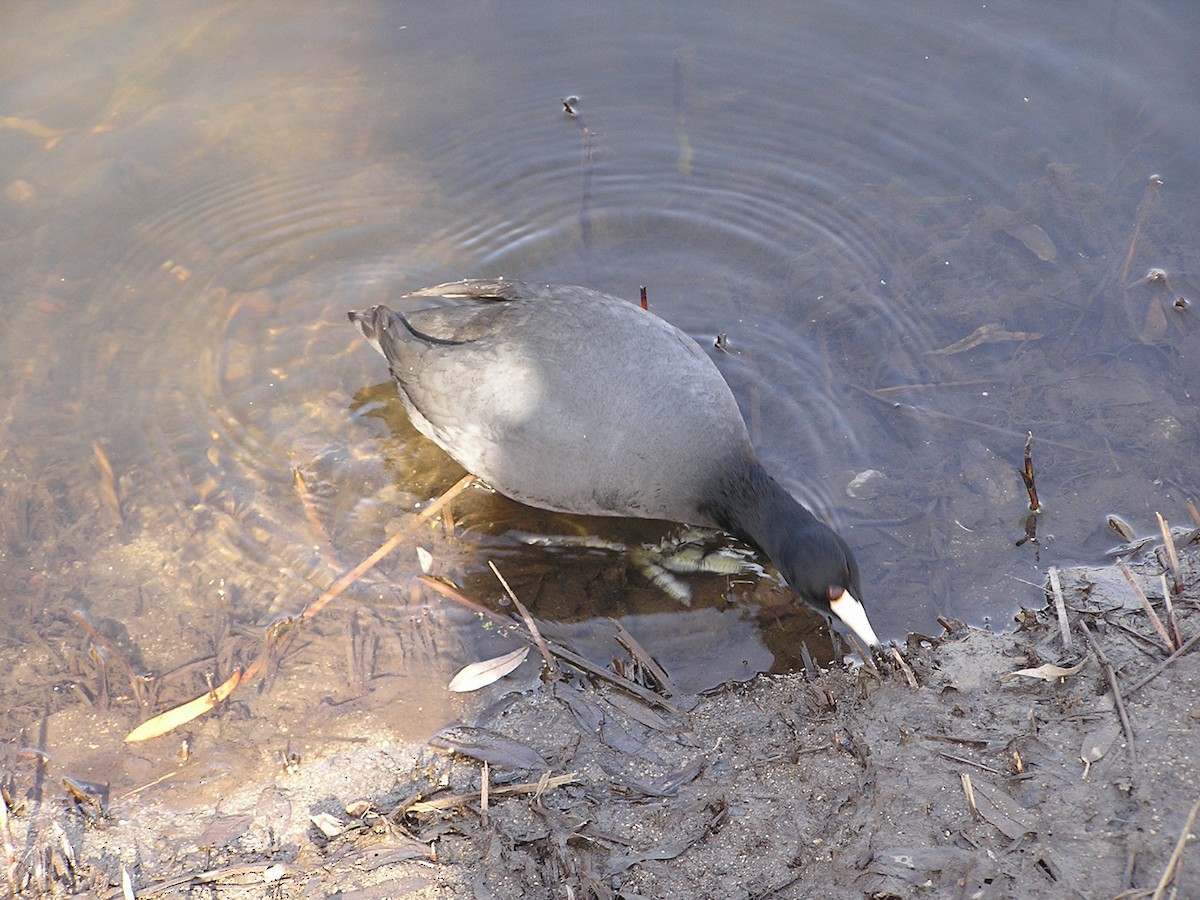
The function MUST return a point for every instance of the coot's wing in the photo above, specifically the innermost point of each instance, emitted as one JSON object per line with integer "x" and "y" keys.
{"x": 476, "y": 289}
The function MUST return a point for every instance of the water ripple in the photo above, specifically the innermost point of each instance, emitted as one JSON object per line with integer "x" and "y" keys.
{"x": 241, "y": 362}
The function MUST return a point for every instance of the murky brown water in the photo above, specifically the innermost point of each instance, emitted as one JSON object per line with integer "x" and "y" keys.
{"x": 925, "y": 231}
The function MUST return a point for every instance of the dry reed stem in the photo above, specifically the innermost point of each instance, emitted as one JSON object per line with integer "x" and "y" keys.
{"x": 1060, "y": 609}
{"x": 1155, "y": 620}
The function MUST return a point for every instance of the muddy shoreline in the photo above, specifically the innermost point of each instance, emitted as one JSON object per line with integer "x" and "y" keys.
{"x": 975, "y": 782}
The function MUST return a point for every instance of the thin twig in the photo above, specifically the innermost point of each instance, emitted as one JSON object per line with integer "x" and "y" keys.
{"x": 538, "y": 640}
{"x": 1060, "y": 608}
{"x": 310, "y": 508}
{"x": 1141, "y": 595}
{"x": 909, "y": 675}
{"x": 108, "y": 485}
{"x": 1172, "y": 553}
{"x": 196, "y": 879}
{"x": 867, "y": 656}
{"x": 11, "y": 862}
{"x": 136, "y": 684}
{"x": 571, "y": 106}
{"x": 485, "y": 784}
{"x": 561, "y": 652}
{"x": 969, "y": 792}
{"x": 313, "y": 516}
{"x": 934, "y": 385}
{"x": 1172, "y": 868}
{"x": 1191, "y": 642}
{"x": 159, "y": 780}
{"x": 969, "y": 762}
{"x": 1146, "y": 643}
{"x": 528, "y": 787}
{"x": 386, "y": 547}
{"x": 1143, "y": 213}
{"x": 973, "y": 423}
{"x": 630, "y": 643}
{"x": 1176, "y": 637}
{"x": 1027, "y": 476}
{"x": 281, "y": 634}
{"x": 1111, "y": 676}
{"x": 479, "y": 609}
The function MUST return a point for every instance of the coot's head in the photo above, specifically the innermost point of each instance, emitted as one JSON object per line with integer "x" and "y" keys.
{"x": 372, "y": 323}
{"x": 821, "y": 569}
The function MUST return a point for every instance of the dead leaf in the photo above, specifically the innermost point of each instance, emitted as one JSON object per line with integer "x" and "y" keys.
{"x": 488, "y": 671}
{"x": 1097, "y": 743}
{"x": 181, "y": 715}
{"x": 1035, "y": 240}
{"x": 1155, "y": 322}
{"x": 223, "y": 832}
{"x": 329, "y": 825}
{"x": 991, "y": 333}
{"x": 489, "y": 747}
{"x": 1048, "y": 672}
{"x": 1002, "y": 811}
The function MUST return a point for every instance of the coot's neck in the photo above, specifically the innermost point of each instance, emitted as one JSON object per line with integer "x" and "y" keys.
{"x": 751, "y": 504}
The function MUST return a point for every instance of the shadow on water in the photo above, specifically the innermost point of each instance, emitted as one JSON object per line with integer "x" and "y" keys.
{"x": 925, "y": 233}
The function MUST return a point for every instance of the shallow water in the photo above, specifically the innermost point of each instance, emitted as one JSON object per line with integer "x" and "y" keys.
{"x": 193, "y": 198}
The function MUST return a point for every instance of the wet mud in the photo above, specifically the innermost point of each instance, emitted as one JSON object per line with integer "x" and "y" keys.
{"x": 984, "y": 765}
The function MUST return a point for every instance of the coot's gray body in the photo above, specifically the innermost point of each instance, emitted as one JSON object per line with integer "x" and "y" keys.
{"x": 568, "y": 399}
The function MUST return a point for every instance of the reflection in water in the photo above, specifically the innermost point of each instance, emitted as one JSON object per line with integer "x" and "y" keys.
{"x": 926, "y": 231}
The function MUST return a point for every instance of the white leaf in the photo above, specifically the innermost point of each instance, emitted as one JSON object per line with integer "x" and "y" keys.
{"x": 1047, "y": 672}
{"x": 480, "y": 674}
{"x": 330, "y": 826}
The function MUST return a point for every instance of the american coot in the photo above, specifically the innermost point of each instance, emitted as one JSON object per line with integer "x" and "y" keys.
{"x": 572, "y": 400}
